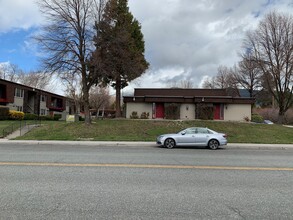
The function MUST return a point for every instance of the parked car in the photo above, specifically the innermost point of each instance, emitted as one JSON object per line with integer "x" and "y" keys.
{"x": 195, "y": 136}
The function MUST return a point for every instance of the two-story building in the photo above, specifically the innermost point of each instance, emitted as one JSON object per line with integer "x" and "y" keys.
{"x": 31, "y": 100}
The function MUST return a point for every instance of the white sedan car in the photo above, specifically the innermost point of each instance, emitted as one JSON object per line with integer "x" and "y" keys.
{"x": 194, "y": 136}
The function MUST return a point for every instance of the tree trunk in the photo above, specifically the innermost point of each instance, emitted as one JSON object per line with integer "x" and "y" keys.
{"x": 281, "y": 117}
{"x": 86, "y": 108}
{"x": 118, "y": 98}
{"x": 85, "y": 97}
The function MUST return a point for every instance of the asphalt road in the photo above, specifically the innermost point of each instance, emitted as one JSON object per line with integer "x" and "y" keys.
{"x": 144, "y": 182}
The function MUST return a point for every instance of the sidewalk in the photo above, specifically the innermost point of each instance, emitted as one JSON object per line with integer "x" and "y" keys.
{"x": 20, "y": 132}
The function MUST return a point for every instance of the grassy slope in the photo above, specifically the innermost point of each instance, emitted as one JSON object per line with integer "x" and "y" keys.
{"x": 4, "y": 124}
{"x": 147, "y": 130}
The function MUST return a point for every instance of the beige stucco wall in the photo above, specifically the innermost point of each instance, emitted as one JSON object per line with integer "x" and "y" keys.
{"x": 43, "y": 106}
{"x": 237, "y": 112}
{"x": 187, "y": 111}
{"x": 18, "y": 101}
{"x": 139, "y": 108}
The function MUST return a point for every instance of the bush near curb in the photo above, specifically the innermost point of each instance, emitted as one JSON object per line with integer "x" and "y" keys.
{"x": 16, "y": 115}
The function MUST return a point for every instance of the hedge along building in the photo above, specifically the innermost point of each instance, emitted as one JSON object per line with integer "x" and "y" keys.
{"x": 31, "y": 100}
{"x": 176, "y": 103}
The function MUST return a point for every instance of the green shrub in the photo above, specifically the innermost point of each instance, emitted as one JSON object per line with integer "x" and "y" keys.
{"x": 145, "y": 115}
{"x": 16, "y": 115}
{"x": 4, "y": 113}
{"x": 30, "y": 116}
{"x": 46, "y": 118}
{"x": 134, "y": 115}
{"x": 57, "y": 117}
{"x": 256, "y": 118}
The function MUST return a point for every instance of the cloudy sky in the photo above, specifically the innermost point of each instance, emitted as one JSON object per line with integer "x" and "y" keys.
{"x": 184, "y": 39}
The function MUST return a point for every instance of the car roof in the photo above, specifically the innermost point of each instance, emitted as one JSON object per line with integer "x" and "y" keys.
{"x": 198, "y": 127}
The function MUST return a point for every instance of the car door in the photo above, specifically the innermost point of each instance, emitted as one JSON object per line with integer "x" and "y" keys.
{"x": 202, "y": 136}
{"x": 187, "y": 137}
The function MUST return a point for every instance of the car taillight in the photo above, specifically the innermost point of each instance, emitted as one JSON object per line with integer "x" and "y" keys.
{"x": 225, "y": 136}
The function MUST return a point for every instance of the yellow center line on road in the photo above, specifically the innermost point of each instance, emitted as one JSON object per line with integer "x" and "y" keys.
{"x": 144, "y": 166}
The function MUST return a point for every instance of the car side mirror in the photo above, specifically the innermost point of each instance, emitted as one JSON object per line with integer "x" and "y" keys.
{"x": 183, "y": 132}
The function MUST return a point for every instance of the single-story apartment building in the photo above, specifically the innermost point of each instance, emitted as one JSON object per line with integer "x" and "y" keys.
{"x": 32, "y": 100}
{"x": 177, "y": 103}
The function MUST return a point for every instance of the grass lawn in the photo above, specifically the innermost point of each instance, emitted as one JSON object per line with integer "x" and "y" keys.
{"x": 4, "y": 124}
{"x": 148, "y": 130}
{"x": 12, "y": 125}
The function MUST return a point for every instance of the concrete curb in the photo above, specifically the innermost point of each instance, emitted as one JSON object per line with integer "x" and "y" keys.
{"x": 260, "y": 146}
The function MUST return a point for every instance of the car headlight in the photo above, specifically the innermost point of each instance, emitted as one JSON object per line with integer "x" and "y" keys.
{"x": 160, "y": 137}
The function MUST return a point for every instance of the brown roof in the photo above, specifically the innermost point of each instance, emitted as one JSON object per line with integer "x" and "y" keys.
{"x": 186, "y": 92}
{"x": 178, "y": 95}
{"x": 6, "y": 82}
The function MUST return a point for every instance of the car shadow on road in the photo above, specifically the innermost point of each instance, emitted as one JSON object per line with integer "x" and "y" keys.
{"x": 191, "y": 147}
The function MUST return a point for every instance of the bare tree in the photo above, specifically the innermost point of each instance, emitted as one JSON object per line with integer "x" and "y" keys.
{"x": 185, "y": 84}
{"x": 248, "y": 75}
{"x": 67, "y": 40}
{"x": 36, "y": 79}
{"x": 224, "y": 79}
{"x": 100, "y": 97}
{"x": 72, "y": 84}
{"x": 271, "y": 45}
{"x": 209, "y": 83}
{"x": 10, "y": 72}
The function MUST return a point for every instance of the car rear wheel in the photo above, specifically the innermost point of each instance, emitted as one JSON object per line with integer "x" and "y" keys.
{"x": 213, "y": 144}
{"x": 169, "y": 143}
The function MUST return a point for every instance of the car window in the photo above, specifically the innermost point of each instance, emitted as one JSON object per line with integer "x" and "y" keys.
{"x": 202, "y": 131}
{"x": 190, "y": 131}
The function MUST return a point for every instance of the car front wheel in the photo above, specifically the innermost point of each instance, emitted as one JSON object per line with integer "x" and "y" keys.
{"x": 213, "y": 144}
{"x": 169, "y": 143}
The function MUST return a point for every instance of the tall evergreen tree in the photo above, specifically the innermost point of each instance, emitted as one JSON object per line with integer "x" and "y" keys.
{"x": 119, "y": 53}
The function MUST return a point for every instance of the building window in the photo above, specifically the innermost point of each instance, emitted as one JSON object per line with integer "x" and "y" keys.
{"x": 43, "y": 98}
{"x": 19, "y": 92}
{"x": 19, "y": 108}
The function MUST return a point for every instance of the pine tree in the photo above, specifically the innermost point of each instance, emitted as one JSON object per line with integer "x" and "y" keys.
{"x": 119, "y": 55}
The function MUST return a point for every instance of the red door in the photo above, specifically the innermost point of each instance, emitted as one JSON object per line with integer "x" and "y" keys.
{"x": 160, "y": 113}
{"x": 217, "y": 112}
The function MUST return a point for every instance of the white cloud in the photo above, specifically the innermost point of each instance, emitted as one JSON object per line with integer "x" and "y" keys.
{"x": 192, "y": 38}
{"x": 184, "y": 39}
{"x": 19, "y": 14}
